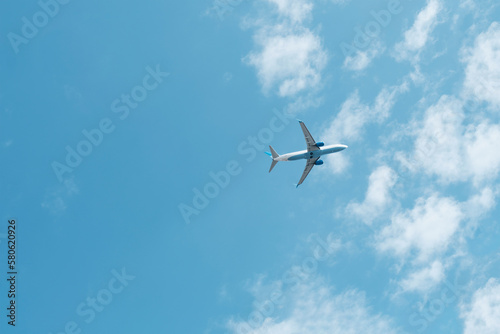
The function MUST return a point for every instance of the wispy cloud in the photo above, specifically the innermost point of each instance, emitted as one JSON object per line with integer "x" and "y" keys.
{"x": 313, "y": 308}
{"x": 363, "y": 58}
{"x": 341, "y": 2}
{"x": 431, "y": 236}
{"x": 348, "y": 125}
{"x": 424, "y": 279}
{"x": 377, "y": 196}
{"x": 416, "y": 38}
{"x": 295, "y": 10}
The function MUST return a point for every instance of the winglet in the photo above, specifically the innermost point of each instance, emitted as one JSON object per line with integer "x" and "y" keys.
{"x": 296, "y": 185}
{"x": 268, "y": 153}
{"x": 299, "y": 121}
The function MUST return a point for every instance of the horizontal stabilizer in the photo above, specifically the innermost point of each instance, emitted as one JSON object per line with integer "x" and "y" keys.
{"x": 273, "y": 163}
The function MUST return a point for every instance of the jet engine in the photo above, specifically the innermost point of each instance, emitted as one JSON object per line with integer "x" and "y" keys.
{"x": 320, "y": 143}
{"x": 319, "y": 162}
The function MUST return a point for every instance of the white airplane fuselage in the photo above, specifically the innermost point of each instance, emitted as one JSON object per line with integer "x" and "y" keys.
{"x": 314, "y": 151}
{"x": 304, "y": 154}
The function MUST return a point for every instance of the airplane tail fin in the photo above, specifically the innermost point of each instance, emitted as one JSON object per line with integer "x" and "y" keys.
{"x": 274, "y": 155}
{"x": 273, "y": 152}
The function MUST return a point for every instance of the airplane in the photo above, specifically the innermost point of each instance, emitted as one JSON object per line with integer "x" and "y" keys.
{"x": 313, "y": 153}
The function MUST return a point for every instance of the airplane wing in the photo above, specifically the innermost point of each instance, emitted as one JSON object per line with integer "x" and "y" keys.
{"x": 309, "y": 165}
{"x": 310, "y": 142}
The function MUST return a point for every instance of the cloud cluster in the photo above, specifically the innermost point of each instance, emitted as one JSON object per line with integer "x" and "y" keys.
{"x": 289, "y": 57}
{"x": 452, "y": 149}
{"x": 348, "y": 125}
{"x": 290, "y": 61}
{"x": 449, "y": 144}
{"x": 428, "y": 236}
{"x": 426, "y": 230}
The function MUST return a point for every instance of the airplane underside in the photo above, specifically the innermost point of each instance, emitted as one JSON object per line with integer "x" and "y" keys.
{"x": 314, "y": 151}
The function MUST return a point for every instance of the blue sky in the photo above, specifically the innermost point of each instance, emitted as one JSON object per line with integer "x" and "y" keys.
{"x": 116, "y": 115}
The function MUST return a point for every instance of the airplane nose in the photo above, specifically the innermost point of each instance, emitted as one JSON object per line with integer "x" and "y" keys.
{"x": 345, "y": 146}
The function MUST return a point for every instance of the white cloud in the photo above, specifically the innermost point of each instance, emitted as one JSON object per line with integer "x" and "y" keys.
{"x": 427, "y": 229}
{"x": 438, "y": 139}
{"x": 483, "y": 314}
{"x": 291, "y": 61}
{"x": 482, "y": 150}
{"x": 448, "y": 148}
{"x": 377, "y": 196}
{"x": 363, "y": 58}
{"x": 431, "y": 235}
{"x": 476, "y": 208}
{"x": 296, "y": 10}
{"x": 418, "y": 35}
{"x": 337, "y": 164}
{"x": 470, "y": 4}
{"x": 480, "y": 204}
{"x": 312, "y": 308}
{"x": 482, "y": 74}
{"x": 289, "y": 57}
{"x": 425, "y": 279}
{"x": 354, "y": 114}
{"x": 348, "y": 126}
{"x": 351, "y": 119}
